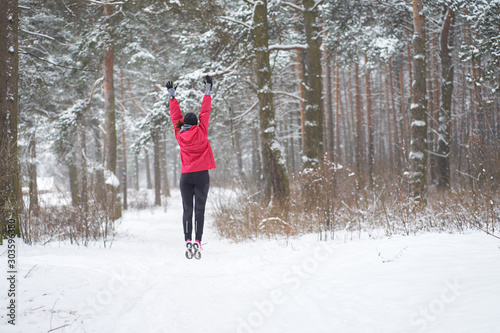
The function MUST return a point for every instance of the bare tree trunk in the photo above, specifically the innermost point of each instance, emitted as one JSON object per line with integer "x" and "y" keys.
{"x": 410, "y": 68}
{"x": 4, "y": 121}
{"x": 165, "y": 183}
{"x": 73, "y": 181}
{"x": 235, "y": 136}
{"x": 32, "y": 173}
{"x": 403, "y": 107}
{"x": 157, "y": 169}
{"x": 149, "y": 183}
{"x": 349, "y": 119}
{"x": 330, "y": 143}
{"x": 110, "y": 115}
{"x": 360, "y": 125}
{"x": 99, "y": 183}
{"x": 339, "y": 115}
{"x": 369, "y": 123}
{"x": 314, "y": 106}
{"x": 418, "y": 145}
{"x": 256, "y": 157}
{"x": 84, "y": 188}
{"x": 397, "y": 119}
{"x": 276, "y": 180}
{"x": 176, "y": 166}
{"x": 124, "y": 146}
{"x": 10, "y": 190}
{"x": 389, "y": 110}
{"x": 444, "y": 131}
{"x": 290, "y": 119}
{"x": 136, "y": 180}
{"x": 301, "y": 71}
{"x": 432, "y": 114}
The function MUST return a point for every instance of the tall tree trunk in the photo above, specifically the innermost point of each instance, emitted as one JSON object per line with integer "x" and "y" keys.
{"x": 397, "y": 117}
{"x": 418, "y": 144}
{"x": 110, "y": 115}
{"x": 339, "y": 115}
{"x": 431, "y": 74}
{"x": 301, "y": 75}
{"x": 256, "y": 157}
{"x": 99, "y": 181}
{"x": 404, "y": 128}
{"x": 32, "y": 173}
{"x": 349, "y": 124}
{"x": 4, "y": 121}
{"x": 136, "y": 163}
{"x": 165, "y": 186}
{"x": 360, "y": 124}
{"x": 274, "y": 168}
{"x": 369, "y": 123}
{"x": 330, "y": 144}
{"x": 83, "y": 143}
{"x": 388, "y": 111}
{"x": 235, "y": 136}
{"x": 149, "y": 183}
{"x": 10, "y": 190}
{"x": 73, "y": 181}
{"x": 290, "y": 120}
{"x": 157, "y": 168}
{"x": 124, "y": 146}
{"x": 444, "y": 131}
{"x": 410, "y": 67}
{"x": 314, "y": 105}
{"x": 176, "y": 166}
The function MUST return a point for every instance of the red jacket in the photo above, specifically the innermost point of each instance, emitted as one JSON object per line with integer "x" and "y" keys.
{"x": 196, "y": 153}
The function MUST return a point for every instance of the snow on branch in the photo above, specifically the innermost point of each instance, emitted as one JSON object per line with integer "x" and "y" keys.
{"x": 222, "y": 72}
{"x": 42, "y": 35}
{"x": 236, "y": 21}
{"x": 437, "y": 154}
{"x": 416, "y": 155}
{"x": 197, "y": 74}
{"x": 319, "y": 2}
{"x": 52, "y": 63}
{"x": 247, "y": 111}
{"x": 289, "y": 95}
{"x": 300, "y": 9}
{"x": 287, "y": 47}
{"x": 105, "y": 2}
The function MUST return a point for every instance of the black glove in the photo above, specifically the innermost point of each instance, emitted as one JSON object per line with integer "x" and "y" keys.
{"x": 171, "y": 89}
{"x": 208, "y": 85}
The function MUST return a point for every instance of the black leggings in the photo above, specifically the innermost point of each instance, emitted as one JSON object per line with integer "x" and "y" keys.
{"x": 194, "y": 184}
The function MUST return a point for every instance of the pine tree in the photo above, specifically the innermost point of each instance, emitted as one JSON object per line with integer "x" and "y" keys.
{"x": 110, "y": 113}
{"x": 314, "y": 147}
{"x": 10, "y": 191}
{"x": 418, "y": 145}
{"x": 274, "y": 165}
{"x": 444, "y": 119}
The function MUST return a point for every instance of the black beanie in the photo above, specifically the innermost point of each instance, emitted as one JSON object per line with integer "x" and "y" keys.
{"x": 190, "y": 119}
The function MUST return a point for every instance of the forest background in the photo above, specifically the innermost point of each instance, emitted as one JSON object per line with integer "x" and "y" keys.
{"x": 326, "y": 115}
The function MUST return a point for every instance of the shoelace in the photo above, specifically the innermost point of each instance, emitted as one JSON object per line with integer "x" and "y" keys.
{"x": 201, "y": 245}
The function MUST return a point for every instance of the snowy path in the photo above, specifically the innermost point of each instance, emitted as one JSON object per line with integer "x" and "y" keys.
{"x": 426, "y": 283}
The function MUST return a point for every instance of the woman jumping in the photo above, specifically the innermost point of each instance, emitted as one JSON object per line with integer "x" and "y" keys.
{"x": 196, "y": 158}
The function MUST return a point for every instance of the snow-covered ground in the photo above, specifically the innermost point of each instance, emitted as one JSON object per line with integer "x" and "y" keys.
{"x": 143, "y": 283}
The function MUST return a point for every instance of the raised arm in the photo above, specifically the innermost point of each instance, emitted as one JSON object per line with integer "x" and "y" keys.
{"x": 175, "y": 112}
{"x": 175, "y": 109}
{"x": 206, "y": 106}
{"x": 204, "y": 117}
